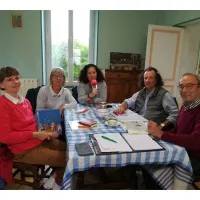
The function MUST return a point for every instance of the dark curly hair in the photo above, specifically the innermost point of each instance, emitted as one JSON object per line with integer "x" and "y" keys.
{"x": 7, "y": 72}
{"x": 159, "y": 81}
{"x": 83, "y": 74}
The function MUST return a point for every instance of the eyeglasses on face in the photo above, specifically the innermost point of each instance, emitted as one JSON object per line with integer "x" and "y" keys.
{"x": 58, "y": 76}
{"x": 188, "y": 86}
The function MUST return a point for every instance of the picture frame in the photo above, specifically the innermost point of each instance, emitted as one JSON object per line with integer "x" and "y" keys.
{"x": 125, "y": 61}
{"x": 16, "y": 20}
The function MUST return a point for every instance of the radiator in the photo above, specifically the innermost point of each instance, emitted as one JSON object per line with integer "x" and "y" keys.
{"x": 27, "y": 83}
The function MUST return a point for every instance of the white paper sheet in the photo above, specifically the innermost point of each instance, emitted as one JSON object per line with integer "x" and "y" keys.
{"x": 109, "y": 146}
{"x": 135, "y": 127}
{"x": 142, "y": 142}
{"x": 129, "y": 116}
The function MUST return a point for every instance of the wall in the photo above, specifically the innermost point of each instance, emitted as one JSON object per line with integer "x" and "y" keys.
{"x": 122, "y": 31}
{"x": 21, "y": 48}
{"x": 173, "y": 17}
{"x": 119, "y": 31}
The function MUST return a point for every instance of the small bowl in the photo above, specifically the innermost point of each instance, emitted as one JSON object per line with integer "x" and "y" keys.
{"x": 102, "y": 112}
{"x": 112, "y": 122}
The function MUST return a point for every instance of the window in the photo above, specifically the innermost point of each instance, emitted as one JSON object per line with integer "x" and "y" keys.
{"x": 69, "y": 41}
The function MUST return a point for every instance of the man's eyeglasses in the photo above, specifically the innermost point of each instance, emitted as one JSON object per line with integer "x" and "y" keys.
{"x": 58, "y": 76}
{"x": 189, "y": 86}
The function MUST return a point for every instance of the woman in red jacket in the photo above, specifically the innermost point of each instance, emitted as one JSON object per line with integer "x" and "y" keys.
{"x": 18, "y": 129}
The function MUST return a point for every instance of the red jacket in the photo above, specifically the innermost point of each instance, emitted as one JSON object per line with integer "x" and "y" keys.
{"x": 6, "y": 164}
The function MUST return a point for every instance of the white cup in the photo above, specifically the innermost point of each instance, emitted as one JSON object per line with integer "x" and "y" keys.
{"x": 103, "y": 104}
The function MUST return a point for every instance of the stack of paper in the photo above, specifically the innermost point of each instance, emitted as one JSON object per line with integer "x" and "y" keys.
{"x": 107, "y": 145}
{"x": 135, "y": 127}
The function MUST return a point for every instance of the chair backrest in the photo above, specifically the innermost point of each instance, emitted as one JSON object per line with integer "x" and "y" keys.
{"x": 176, "y": 102}
{"x": 75, "y": 92}
{"x": 31, "y": 95}
{"x": 1, "y": 184}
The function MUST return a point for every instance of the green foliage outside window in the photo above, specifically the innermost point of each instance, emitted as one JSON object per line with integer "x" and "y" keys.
{"x": 59, "y": 57}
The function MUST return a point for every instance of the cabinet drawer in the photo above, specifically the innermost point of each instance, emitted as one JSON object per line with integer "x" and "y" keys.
{"x": 118, "y": 75}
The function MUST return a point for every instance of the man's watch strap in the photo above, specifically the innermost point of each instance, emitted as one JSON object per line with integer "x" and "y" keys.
{"x": 162, "y": 125}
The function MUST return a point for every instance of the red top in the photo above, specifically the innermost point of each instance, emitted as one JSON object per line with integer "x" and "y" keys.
{"x": 186, "y": 132}
{"x": 93, "y": 82}
{"x": 17, "y": 124}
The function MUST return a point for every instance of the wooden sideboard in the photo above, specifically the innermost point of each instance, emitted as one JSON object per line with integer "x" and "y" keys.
{"x": 121, "y": 84}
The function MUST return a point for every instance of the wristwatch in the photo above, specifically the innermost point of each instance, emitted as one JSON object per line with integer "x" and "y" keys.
{"x": 162, "y": 125}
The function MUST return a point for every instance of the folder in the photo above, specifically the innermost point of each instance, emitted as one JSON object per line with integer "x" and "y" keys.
{"x": 129, "y": 141}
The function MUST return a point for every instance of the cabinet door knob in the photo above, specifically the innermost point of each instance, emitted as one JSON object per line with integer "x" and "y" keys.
{"x": 118, "y": 75}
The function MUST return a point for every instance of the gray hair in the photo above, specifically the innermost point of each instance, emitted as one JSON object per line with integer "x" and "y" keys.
{"x": 57, "y": 70}
{"x": 194, "y": 75}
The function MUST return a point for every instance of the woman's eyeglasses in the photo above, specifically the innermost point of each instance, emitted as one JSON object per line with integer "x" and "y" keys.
{"x": 58, "y": 76}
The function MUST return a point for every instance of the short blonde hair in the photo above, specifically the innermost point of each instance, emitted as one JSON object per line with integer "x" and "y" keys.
{"x": 57, "y": 70}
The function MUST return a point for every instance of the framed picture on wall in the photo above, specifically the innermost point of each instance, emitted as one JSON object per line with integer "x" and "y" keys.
{"x": 16, "y": 20}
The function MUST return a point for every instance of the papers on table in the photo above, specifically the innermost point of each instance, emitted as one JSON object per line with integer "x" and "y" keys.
{"x": 75, "y": 125}
{"x": 135, "y": 127}
{"x": 110, "y": 146}
{"x": 129, "y": 116}
{"x": 142, "y": 142}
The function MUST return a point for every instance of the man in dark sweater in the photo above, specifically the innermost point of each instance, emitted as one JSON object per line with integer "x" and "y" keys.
{"x": 186, "y": 132}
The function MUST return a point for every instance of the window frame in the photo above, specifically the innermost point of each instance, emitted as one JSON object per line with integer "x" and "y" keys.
{"x": 47, "y": 47}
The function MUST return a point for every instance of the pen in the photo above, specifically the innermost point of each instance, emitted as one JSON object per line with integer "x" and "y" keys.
{"x": 104, "y": 137}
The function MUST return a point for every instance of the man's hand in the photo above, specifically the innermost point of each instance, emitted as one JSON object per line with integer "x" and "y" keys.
{"x": 154, "y": 129}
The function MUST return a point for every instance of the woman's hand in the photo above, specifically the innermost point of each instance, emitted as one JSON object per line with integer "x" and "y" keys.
{"x": 93, "y": 93}
{"x": 42, "y": 135}
{"x": 61, "y": 109}
{"x": 54, "y": 134}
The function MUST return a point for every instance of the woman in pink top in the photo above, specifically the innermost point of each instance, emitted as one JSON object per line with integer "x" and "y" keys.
{"x": 18, "y": 129}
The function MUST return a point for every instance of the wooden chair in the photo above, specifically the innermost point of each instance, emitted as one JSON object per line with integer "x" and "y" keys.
{"x": 37, "y": 172}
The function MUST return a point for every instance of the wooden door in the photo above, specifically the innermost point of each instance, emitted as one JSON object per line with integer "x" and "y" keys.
{"x": 163, "y": 51}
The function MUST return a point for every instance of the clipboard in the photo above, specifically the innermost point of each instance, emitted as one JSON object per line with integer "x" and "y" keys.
{"x": 98, "y": 151}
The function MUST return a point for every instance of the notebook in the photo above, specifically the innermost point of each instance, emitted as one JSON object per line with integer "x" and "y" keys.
{"x": 83, "y": 110}
{"x": 88, "y": 122}
{"x": 142, "y": 142}
{"x": 125, "y": 143}
{"x": 104, "y": 146}
{"x": 75, "y": 125}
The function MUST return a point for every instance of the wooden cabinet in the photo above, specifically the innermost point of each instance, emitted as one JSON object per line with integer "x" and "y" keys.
{"x": 121, "y": 85}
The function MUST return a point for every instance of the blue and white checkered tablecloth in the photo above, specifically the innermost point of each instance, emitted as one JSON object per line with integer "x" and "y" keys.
{"x": 170, "y": 168}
